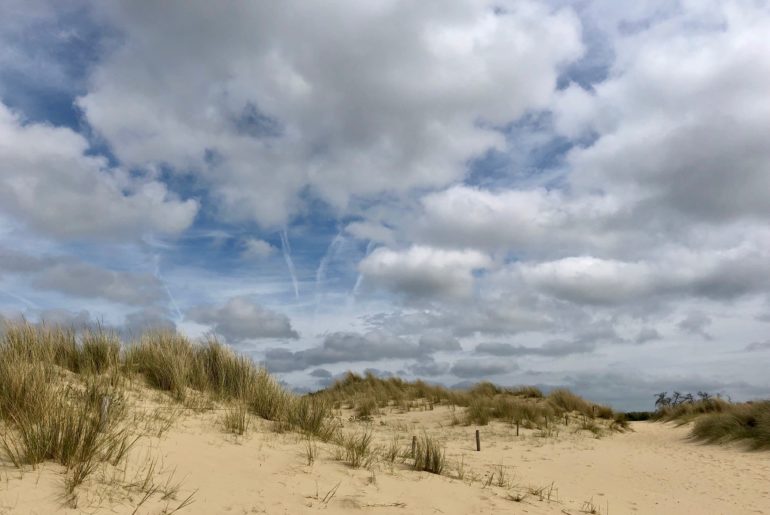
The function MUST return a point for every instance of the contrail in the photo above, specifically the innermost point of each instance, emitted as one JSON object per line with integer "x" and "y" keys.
{"x": 286, "y": 248}
{"x": 369, "y": 249}
{"x": 331, "y": 252}
{"x": 20, "y": 299}
{"x": 159, "y": 277}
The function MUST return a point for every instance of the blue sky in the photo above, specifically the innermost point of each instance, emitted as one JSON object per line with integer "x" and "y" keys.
{"x": 553, "y": 193}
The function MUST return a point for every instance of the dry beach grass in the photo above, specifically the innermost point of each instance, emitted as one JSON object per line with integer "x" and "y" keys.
{"x": 165, "y": 424}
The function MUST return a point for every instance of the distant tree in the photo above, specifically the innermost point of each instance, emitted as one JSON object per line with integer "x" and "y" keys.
{"x": 661, "y": 400}
{"x": 704, "y": 396}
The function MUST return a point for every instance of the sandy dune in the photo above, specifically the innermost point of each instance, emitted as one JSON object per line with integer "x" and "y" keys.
{"x": 653, "y": 469}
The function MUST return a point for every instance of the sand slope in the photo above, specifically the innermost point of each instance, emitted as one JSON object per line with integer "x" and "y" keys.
{"x": 653, "y": 469}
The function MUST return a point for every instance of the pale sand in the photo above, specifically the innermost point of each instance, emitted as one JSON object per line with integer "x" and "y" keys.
{"x": 653, "y": 469}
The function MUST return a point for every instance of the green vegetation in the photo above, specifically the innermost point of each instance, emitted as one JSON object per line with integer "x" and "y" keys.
{"x": 429, "y": 455}
{"x": 716, "y": 420}
{"x": 63, "y": 398}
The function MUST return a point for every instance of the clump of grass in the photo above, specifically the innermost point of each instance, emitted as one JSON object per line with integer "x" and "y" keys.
{"x": 357, "y": 450}
{"x": 70, "y": 431}
{"x": 266, "y": 398}
{"x": 311, "y": 416}
{"x": 619, "y": 423}
{"x": 366, "y": 407}
{"x": 236, "y": 419}
{"x": 748, "y": 422}
{"x": 429, "y": 455}
{"x": 311, "y": 450}
{"x": 528, "y": 392}
{"x": 393, "y": 450}
{"x": 165, "y": 359}
{"x": 568, "y": 401}
{"x": 99, "y": 352}
{"x": 478, "y": 412}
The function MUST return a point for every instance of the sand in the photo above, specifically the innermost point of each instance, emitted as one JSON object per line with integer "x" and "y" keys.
{"x": 652, "y": 469}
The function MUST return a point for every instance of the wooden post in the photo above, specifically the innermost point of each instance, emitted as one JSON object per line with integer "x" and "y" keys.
{"x": 478, "y": 441}
{"x": 546, "y": 422}
{"x": 414, "y": 446}
{"x": 566, "y": 419}
{"x": 593, "y": 411}
{"x": 517, "y": 428}
{"x": 104, "y": 414}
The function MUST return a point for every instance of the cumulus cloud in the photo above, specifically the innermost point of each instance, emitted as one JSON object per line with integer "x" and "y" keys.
{"x": 534, "y": 221}
{"x": 685, "y": 102}
{"x": 52, "y": 184}
{"x": 263, "y": 110}
{"x": 424, "y": 271}
{"x": 254, "y": 248}
{"x": 241, "y": 319}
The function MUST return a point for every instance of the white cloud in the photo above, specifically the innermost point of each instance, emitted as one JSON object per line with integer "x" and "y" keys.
{"x": 424, "y": 271}
{"x": 263, "y": 110}
{"x": 680, "y": 122}
{"x": 50, "y": 183}
{"x": 257, "y": 249}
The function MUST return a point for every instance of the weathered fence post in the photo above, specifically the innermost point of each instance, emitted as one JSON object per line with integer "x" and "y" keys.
{"x": 517, "y": 428}
{"x": 104, "y": 413}
{"x": 566, "y": 419}
{"x": 478, "y": 441}
{"x": 414, "y": 446}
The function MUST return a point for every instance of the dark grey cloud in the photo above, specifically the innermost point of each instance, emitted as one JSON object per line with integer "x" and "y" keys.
{"x": 554, "y": 348}
{"x": 696, "y": 323}
{"x": 758, "y": 346}
{"x": 647, "y": 334}
{"x": 321, "y": 372}
{"x": 137, "y": 322}
{"x": 427, "y": 367}
{"x": 586, "y": 341}
{"x": 343, "y": 347}
{"x": 71, "y": 276}
{"x": 631, "y": 391}
{"x": 438, "y": 341}
{"x": 84, "y": 280}
{"x": 241, "y": 319}
{"x": 481, "y": 368}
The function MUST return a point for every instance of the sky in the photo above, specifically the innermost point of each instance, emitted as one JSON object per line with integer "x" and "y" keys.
{"x": 558, "y": 193}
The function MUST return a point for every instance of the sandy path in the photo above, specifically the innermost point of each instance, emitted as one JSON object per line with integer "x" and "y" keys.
{"x": 651, "y": 470}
